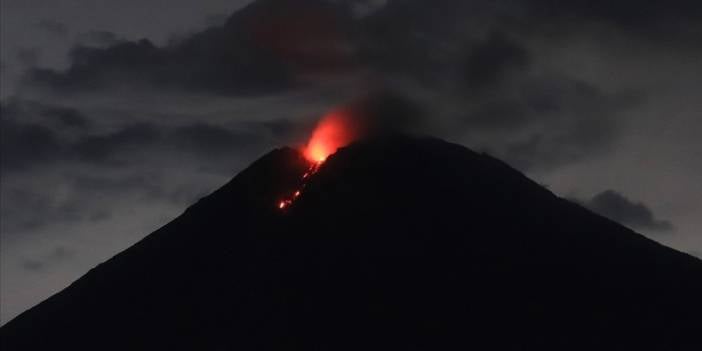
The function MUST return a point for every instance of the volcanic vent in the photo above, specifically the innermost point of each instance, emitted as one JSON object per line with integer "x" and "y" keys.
{"x": 334, "y": 130}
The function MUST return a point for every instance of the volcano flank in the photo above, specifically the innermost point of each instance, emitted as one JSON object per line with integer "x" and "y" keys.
{"x": 396, "y": 242}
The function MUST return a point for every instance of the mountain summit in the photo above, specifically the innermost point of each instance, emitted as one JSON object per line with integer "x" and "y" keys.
{"x": 395, "y": 243}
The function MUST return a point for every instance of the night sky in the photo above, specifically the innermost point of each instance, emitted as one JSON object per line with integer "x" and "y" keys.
{"x": 116, "y": 115}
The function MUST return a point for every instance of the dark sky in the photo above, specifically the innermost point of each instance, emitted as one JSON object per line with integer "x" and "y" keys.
{"x": 118, "y": 114}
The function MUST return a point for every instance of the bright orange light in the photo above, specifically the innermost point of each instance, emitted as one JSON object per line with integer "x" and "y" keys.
{"x": 332, "y": 132}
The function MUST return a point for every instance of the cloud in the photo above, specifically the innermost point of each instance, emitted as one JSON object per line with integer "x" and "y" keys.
{"x": 195, "y": 65}
{"x": 148, "y": 186}
{"x": 216, "y": 19}
{"x": 24, "y": 145}
{"x": 53, "y": 27}
{"x": 655, "y": 19}
{"x": 37, "y": 134}
{"x": 492, "y": 61}
{"x": 78, "y": 196}
{"x": 31, "y": 133}
{"x": 477, "y": 59}
{"x": 210, "y": 140}
{"x": 66, "y": 117}
{"x": 558, "y": 122}
{"x": 482, "y": 72}
{"x": 207, "y": 142}
{"x": 510, "y": 105}
{"x": 108, "y": 148}
{"x": 384, "y": 111}
{"x": 53, "y": 115}
{"x": 260, "y": 49}
{"x": 266, "y": 46}
{"x": 100, "y": 38}
{"x": 33, "y": 265}
{"x": 28, "y": 56}
{"x": 24, "y": 210}
{"x": 48, "y": 259}
{"x": 615, "y": 206}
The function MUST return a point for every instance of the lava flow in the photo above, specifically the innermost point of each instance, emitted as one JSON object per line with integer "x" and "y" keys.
{"x": 333, "y": 131}
{"x": 285, "y": 203}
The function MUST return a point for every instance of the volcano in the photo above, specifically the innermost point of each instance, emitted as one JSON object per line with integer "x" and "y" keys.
{"x": 396, "y": 242}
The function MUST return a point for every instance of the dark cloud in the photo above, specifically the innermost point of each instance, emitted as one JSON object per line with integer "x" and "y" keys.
{"x": 26, "y": 144}
{"x": 653, "y": 19}
{"x": 66, "y": 117}
{"x": 615, "y": 206}
{"x": 28, "y": 56}
{"x": 106, "y": 185}
{"x": 33, "y": 265}
{"x": 206, "y": 139}
{"x": 216, "y": 19}
{"x": 100, "y": 215}
{"x": 35, "y": 134}
{"x": 74, "y": 197}
{"x": 492, "y": 61}
{"x": 30, "y": 209}
{"x": 280, "y": 129}
{"x": 53, "y": 26}
{"x": 100, "y": 38}
{"x": 48, "y": 259}
{"x": 476, "y": 54}
{"x": 508, "y": 101}
{"x": 263, "y": 47}
{"x": 258, "y": 50}
{"x": 385, "y": 111}
{"x": 533, "y": 118}
{"x": 200, "y": 64}
{"x": 410, "y": 36}
{"x": 55, "y": 116}
{"x": 567, "y": 121}
{"x": 125, "y": 163}
{"x": 30, "y": 133}
{"x": 109, "y": 148}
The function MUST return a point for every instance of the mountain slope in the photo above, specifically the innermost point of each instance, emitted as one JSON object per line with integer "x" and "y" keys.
{"x": 395, "y": 243}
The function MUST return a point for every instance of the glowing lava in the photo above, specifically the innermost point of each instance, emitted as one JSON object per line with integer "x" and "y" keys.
{"x": 332, "y": 132}
{"x": 286, "y": 202}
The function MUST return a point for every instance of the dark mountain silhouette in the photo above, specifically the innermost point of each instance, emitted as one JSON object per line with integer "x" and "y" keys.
{"x": 397, "y": 243}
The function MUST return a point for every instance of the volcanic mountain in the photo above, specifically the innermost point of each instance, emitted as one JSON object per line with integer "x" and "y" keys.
{"x": 395, "y": 243}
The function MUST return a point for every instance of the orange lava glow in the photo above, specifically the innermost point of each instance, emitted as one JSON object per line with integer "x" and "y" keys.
{"x": 332, "y": 132}
{"x": 286, "y": 202}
